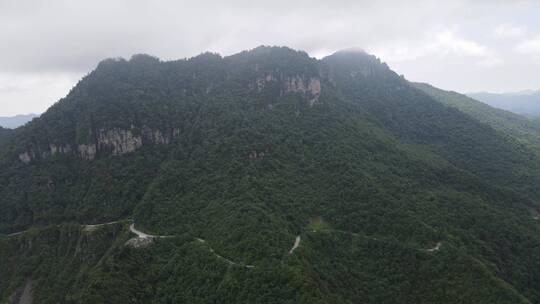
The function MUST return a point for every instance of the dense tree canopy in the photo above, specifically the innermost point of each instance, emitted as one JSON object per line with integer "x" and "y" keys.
{"x": 396, "y": 197}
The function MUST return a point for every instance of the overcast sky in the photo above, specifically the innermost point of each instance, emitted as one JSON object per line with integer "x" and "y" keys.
{"x": 462, "y": 45}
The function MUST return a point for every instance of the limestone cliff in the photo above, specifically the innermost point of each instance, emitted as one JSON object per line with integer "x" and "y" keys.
{"x": 310, "y": 87}
{"x": 115, "y": 141}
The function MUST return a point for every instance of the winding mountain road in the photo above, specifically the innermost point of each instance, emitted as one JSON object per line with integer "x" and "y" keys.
{"x": 16, "y": 233}
{"x": 222, "y": 257}
{"x": 436, "y": 248}
{"x": 296, "y": 244}
{"x": 143, "y": 239}
{"x": 141, "y": 234}
{"x": 94, "y": 226}
{"x": 86, "y": 227}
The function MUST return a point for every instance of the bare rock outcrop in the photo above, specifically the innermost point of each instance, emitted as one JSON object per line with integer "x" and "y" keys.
{"x": 139, "y": 242}
{"x": 310, "y": 87}
{"x": 115, "y": 141}
{"x": 120, "y": 141}
{"x": 87, "y": 152}
{"x": 27, "y": 157}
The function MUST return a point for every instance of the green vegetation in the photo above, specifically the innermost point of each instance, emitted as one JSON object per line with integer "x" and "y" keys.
{"x": 381, "y": 171}
{"x": 523, "y": 129}
{"x": 4, "y": 136}
{"x": 56, "y": 259}
{"x": 316, "y": 224}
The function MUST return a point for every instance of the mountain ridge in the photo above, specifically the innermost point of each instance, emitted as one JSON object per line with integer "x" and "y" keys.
{"x": 12, "y": 122}
{"x": 525, "y": 129}
{"x": 527, "y": 104}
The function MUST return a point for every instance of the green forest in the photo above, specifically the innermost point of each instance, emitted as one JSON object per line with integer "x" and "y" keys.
{"x": 396, "y": 192}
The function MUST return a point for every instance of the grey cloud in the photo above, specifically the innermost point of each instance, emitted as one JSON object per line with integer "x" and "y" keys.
{"x": 74, "y": 35}
{"x": 65, "y": 37}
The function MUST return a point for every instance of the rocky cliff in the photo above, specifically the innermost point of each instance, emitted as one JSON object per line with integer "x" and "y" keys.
{"x": 115, "y": 141}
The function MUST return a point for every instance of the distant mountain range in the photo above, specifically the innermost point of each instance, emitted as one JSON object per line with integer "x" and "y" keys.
{"x": 16, "y": 121}
{"x": 524, "y": 103}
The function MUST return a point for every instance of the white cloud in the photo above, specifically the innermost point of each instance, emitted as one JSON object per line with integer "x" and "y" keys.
{"x": 40, "y": 90}
{"x": 442, "y": 43}
{"x": 449, "y": 41}
{"x": 508, "y": 30}
{"x": 529, "y": 46}
{"x": 490, "y": 61}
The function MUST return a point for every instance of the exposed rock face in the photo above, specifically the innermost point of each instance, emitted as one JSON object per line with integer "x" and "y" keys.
{"x": 310, "y": 87}
{"x": 138, "y": 242}
{"x": 314, "y": 87}
{"x": 116, "y": 141}
{"x": 87, "y": 152}
{"x": 157, "y": 137}
{"x": 26, "y": 157}
{"x": 54, "y": 149}
{"x": 120, "y": 141}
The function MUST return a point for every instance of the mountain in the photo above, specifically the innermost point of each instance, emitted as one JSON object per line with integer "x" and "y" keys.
{"x": 265, "y": 177}
{"x": 16, "y": 121}
{"x": 4, "y": 135}
{"x": 523, "y": 129}
{"x": 524, "y": 103}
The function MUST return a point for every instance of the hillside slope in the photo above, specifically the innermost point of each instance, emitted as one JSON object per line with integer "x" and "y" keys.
{"x": 4, "y": 135}
{"x": 389, "y": 195}
{"x": 521, "y": 128}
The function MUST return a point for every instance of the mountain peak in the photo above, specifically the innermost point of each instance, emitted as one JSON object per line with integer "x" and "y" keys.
{"x": 355, "y": 55}
{"x": 352, "y": 50}
{"x": 144, "y": 58}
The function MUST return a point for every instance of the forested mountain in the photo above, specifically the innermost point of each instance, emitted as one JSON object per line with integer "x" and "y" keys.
{"x": 4, "y": 135}
{"x": 525, "y": 103}
{"x": 272, "y": 177}
{"x": 524, "y": 129}
{"x": 16, "y": 121}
